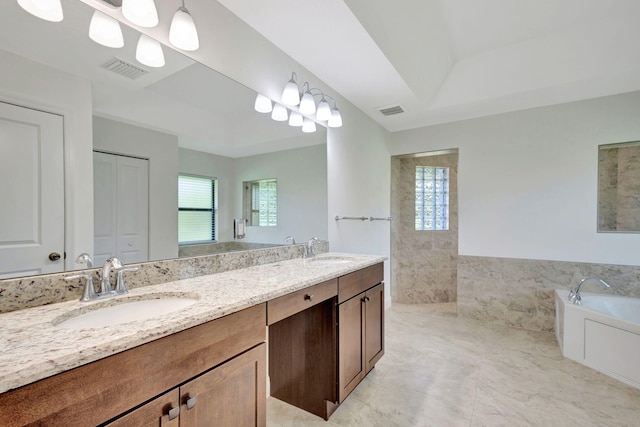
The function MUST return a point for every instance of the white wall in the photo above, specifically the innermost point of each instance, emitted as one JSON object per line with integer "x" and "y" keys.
{"x": 162, "y": 151}
{"x": 359, "y": 179}
{"x": 302, "y": 192}
{"x": 528, "y": 180}
{"x": 29, "y": 84}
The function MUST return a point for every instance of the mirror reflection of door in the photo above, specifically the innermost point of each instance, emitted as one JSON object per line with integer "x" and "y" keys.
{"x": 31, "y": 192}
{"x": 121, "y": 208}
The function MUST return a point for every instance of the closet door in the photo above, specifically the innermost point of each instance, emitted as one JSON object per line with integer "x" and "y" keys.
{"x": 31, "y": 192}
{"x": 121, "y": 208}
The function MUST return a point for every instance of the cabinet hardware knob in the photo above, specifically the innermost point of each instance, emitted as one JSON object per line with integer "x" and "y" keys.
{"x": 191, "y": 402}
{"x": 54, "y": 256}
{"x": 173, "y": 413}
{"x": 366, "y": 299}
{"x": 308, "y": 297}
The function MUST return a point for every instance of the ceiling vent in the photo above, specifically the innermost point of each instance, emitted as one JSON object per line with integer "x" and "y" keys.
{"x": 123, "y": 68}
{"x": 390, "y": 110}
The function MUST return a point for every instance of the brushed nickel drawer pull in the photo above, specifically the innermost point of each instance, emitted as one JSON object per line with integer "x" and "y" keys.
{"x": 191, "y": 402}
{"x": 173, "y": 413}
{"x": 308, "y": 297}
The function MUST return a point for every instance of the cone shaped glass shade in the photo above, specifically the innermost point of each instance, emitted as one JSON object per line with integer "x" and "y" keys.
{"x": 295, "y": 119}
{"x": 149, "y": 52}
{"x": 183, "y": 33}
{"x": 49, "y": 10}
{"x": 140, "y": 12}
{"x": 279, "y": 113}
{"x": 335, "y": 121}
{"x": 290, "y": 94}
{"x": 324, "y": 111}
{"x": 307, "y": 104}
{"x": 105, "y": 30}
{"x": 309, "y": 126}
{"x": 263, "y": 104}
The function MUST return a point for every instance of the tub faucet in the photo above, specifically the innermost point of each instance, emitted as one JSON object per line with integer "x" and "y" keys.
{"x": 290, "y": 239}
{"x": 309, "y": 250}
{"x": 105, "y": 280}
{"x": 574, "y": 296}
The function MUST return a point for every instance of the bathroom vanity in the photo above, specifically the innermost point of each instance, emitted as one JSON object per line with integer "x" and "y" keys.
{"x": 207, "y": 362}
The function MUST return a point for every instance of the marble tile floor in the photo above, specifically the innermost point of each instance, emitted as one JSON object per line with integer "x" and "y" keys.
{"x": 441, "y": 370}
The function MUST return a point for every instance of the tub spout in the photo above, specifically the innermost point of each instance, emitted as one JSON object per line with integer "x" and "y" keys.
{"x": 574, "y": 295}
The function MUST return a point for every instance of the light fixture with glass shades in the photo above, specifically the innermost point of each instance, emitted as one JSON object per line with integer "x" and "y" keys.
{"x": 304, "y": 111}
{"x": 49, "y": 10}
{"x": 140, "y": 12}
{"x": 183, "y": 33}
{"x": 149, "y": 52}
{"x": 105, "y": 30}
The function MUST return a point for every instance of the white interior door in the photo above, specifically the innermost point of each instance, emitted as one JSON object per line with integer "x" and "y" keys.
{"x": 121, "y": 208}
{"x": 31, "y": 192}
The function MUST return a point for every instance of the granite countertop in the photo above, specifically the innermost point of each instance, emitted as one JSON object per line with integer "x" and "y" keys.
{"x": 33, "y": 347}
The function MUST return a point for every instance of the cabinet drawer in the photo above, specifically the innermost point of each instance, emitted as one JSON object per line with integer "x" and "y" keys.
{"x": 359, "y": 281}
{"x": 290, "y": 304}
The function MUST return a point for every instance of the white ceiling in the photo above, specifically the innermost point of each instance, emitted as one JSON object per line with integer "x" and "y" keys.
{"x": 447, "y": 60}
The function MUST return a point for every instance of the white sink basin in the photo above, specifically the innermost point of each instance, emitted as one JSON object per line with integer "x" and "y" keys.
{"x": 329, "y": 260}
{"x": 123, "y": 312}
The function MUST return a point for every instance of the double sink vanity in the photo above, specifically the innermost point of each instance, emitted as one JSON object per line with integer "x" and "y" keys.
{"x": 194, "y": 352}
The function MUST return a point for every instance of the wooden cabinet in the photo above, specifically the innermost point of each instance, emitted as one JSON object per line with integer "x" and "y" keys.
{"x": 360, "y": 326}
{"x": 231, "y": 395}
{"x": 127, "y": 383}
{"x": 318, "y": 353}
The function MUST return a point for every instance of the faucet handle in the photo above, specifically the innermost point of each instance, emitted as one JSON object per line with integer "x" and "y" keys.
{"x": 89, "y": 290}
{"x": 121, "y": 287}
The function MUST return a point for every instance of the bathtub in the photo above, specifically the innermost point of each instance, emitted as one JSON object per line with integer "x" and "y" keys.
{"x": 603, "y": 333}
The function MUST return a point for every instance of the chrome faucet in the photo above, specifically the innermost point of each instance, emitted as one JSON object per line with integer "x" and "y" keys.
{"x": 105, "y": 280}
{"x": 574, "y": 296}
{"x": 85, "y": 258}
{"x": 309, "y": 250}
{"x": 290, "y": 239}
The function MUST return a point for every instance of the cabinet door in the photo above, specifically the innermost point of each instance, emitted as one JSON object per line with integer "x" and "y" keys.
{"x": 350, "y": 355}
{"x": 373, "y": 340}
{"x": 162, "y": 411}
{"x": 233, "y": 394}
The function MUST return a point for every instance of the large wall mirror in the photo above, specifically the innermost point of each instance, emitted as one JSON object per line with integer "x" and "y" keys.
{"x": 619, "y": 188}
{"x": 183, "y": 118}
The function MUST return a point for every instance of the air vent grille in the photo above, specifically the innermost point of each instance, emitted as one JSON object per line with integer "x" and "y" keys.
{"x": 123, "y": 68}
{"x": 390, "y": 110}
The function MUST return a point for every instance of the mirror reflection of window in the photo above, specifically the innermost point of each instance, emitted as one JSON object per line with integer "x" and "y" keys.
{"x": 260, "y": 202}
{"x": 197, "y": 209}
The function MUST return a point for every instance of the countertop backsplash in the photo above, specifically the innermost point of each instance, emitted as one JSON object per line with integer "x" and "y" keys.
{"x": 34, "y": 291}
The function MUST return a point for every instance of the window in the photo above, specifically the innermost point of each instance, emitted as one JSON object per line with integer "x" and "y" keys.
{"x": 261, "y": 202}
{"x": 432, "y": 198}
{"x": 197, "y": 208}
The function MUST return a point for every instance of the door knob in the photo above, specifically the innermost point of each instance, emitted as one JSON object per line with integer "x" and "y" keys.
{"x": 54, "y": 256}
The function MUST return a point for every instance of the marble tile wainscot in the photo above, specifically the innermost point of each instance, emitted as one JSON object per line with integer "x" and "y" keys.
{"x": 34, "y": 291}
{"x": 519, "y": 292}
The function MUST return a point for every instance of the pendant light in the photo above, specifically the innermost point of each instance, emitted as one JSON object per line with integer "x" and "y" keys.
{"x": 335, "y": 121}
{"x": 290, "y": 94}
{"x": 279, "y": 113}
{"x": 149, "y": 52}
{"x": 309, "y": 126}
{"x": 140, "y": 12}
{"x": 183, "y": 33}
{"x": 307, "y": 104}
{"x": 263, "y": 104}
{"x": 324, "y": 110}
{"x": 296, "y": 119}
{"x": 49, "y": 10}
{"x": 105, "y": 30}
